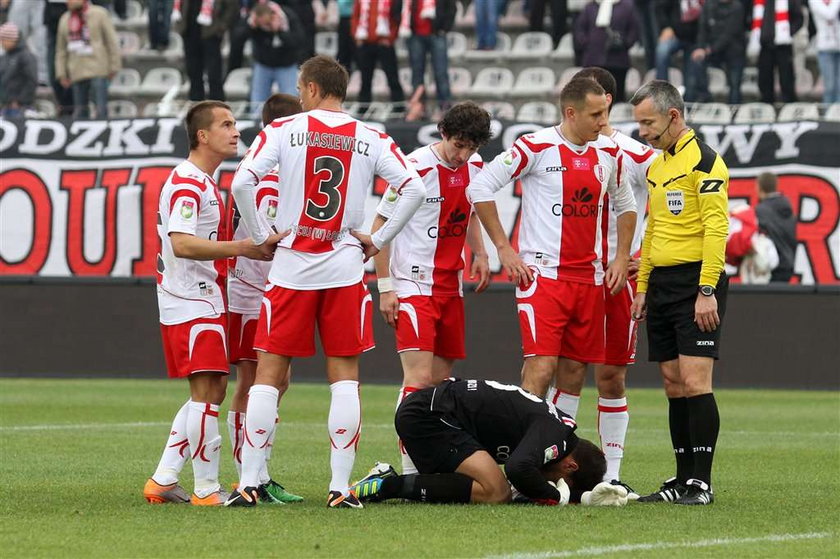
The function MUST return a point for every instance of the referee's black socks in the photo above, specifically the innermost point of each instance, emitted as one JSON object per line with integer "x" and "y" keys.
{"x": 704, "y": 424}
{"x": 428, "y": 488}
{"x": 681, "y": 438}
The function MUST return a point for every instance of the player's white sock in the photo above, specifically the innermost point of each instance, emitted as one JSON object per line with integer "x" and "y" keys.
{"x": 567, "y": 403}
{"x": 612, "y": 428}
{"x": 176, "y": 451}
{"x": 408, "y": 466}
{"x": 205, "y": 443}
{"x": 345, "y": 427}
{"x": 259, "y": 422}
{"x": 265, "y": 477}
{"x": 236, "y": 429}
{"x": 551, "y": 395}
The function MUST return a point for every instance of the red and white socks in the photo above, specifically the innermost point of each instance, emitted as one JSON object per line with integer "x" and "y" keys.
{"x": 176, "y": 451}
{"x": 612, "y": 428}
{"x": 567, "y": 403}
{"x": 408, "y": 466}
{"x": 345, "y": 425}
{"x": 205, "y": 444}
{"x": 260, "y": 420}
{"x": 236, "y": 430}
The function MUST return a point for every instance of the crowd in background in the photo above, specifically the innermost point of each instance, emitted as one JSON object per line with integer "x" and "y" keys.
{"x": 82, "y": 52}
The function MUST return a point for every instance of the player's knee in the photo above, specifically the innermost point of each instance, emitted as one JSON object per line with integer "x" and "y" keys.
{"x": 498, "y": 494}
{"x": 610, "y": 380}
{"x": 697, "y": 385}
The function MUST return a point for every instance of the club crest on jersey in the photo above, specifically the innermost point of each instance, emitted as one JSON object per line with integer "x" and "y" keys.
{"x": 551, "y": 453}
{"x": 272, "y": 209}
{"x": 509, "y": 157}
{"x": 187, "y": 209}
{"x": 601, "y": 173}
{"x": 392, "y": 194}
{"x": 675, "y": 201}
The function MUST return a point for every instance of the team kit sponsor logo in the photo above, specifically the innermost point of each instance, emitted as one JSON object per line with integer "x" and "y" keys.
{"x": 579, "y": 206}
{"x": 455, "y": 226}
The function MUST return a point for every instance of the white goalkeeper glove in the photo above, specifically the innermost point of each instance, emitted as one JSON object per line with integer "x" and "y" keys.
{"x": 605, "y": 495}
{"x": 563, "y": 488}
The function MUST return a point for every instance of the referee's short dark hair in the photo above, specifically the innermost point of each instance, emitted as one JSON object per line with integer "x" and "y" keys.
{"x": 604, "y": 78}
{"x": 664, "y": 96}
{"x": 767, "y": 182}
{"x": 278, "y": 106}
{"x": 468, "y": 122}
{"x": 574, "y": 93}
{"x": 592, "y": 465}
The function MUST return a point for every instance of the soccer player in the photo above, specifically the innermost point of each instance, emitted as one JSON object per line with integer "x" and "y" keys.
{"x": 681, "y": 283}
{"x": 461, "y": 430}
{"x": 190, "y": 289}
{"x": 326, "y": 165}
{"x": 420, "y": 274}
{"x": 620, "y": 350}
{"x": 246, "y": 286}
{"x": 561, "y": 272}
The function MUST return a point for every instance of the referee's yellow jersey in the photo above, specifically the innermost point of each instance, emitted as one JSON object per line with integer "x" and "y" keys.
{"x": 688, "y": 219}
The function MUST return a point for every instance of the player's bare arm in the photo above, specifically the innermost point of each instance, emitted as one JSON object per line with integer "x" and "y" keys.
{"x": 189, "y": 246}
{"x": 480, "y": 267}
{"x": 368, "y": 248}
{"x": 513, "y": 265}
{"x": 617, "y": 272}
{"x": 389, "y": 304}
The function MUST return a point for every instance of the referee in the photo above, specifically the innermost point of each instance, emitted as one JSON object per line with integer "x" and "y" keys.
{"x": 681, "y": 284}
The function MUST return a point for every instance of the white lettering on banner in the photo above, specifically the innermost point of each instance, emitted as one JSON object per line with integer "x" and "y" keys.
{"x": 166, "y": 129}
{"x": 85, "y": 144}
{"x": 10, "y": 132}
{"x": 735, "y": 137}
{"x": 34, "y": 128}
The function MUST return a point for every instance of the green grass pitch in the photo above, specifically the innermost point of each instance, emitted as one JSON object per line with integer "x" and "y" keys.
{"x": 74, "y": 455}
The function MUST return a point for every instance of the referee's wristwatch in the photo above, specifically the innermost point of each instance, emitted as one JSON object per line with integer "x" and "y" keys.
{"x": 707, "y": 290}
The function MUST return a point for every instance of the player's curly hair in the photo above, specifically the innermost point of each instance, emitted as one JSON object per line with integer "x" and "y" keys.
{"x": 467, "y": 122}
{"x": 592, "y": 465}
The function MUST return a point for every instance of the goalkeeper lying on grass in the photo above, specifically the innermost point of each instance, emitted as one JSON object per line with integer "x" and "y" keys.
{"x": 459, "y": 431}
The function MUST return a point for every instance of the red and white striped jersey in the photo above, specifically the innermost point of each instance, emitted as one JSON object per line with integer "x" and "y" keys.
{"x": 326, "y": 163}
{"x": 637, "y": 158}
{"x": 563, "y": 224}
{"x": 188, "y": 289}
{"x": 427, "y": 257}
{"x": 247, "y": 277}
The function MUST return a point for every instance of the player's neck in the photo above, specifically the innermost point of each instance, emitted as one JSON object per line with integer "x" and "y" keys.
{"x": 329, "y": 104}
{"x": 567, "y": 133}
{"x": 207, "y": 162}
{"x": 607, "y": 130}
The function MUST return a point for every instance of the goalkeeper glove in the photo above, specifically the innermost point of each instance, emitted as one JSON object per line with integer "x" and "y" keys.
{"x": 605, "y": 495}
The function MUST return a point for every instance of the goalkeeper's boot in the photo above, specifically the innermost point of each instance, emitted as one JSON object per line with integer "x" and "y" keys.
{"x": 274, "y": 493}
{"x": 247, "y": 497}
{"x": 157, "y": 494}
{"x": 367, "y": 488}
{"x": 214, "y": 499}
{"x": 337, "y": 500}
{"x": 698, "y": 493}
{"x": 670, "y": 491}
{"x": 631, "y": 493}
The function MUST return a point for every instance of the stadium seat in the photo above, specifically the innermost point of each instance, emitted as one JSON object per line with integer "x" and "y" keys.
{"x": 122, "y": 109}
{"x": 125, "y": 82}
{"x": 465, "y": 17}
{"x": 135, "y": 14}
{"x": 500, "y": 109}
{"x": 456, "y": 45}
{"x": 460, "y": 81}
{"x": 379, "y": 87}
{"x": 621, "y": 112}
{"x": 159, "y": 81}
{"x": 354, "y": 109}
{"x": 798, "y": 111}
{"x": 238, "y": 83}
{"x": 565, "y": 49}
{"x": 540, "y": 112}
{"x": 717, "y": 82}
{"x": 832, "y": 114}
{"x": 355, "y": 84}
{"x": 674, "y": 76}
{"x": 749, "y": 82}
{"x": 637, "y": 51}
{"x": 129, "y": 42}
{"x": 492, "y": 81}
{"x": 632, "y": 82}
{"x": 169, "y": 109}
{"x": 577, "y": 5}
{"x": 533, "y": 82}
{"x": 532, "y": 45}
{"x": 379, "y": 112}
{"x": 565, "y": 78}
{"x": 710, "y": 113}
{"x": 514, "y": 17}
{"x": 326, "y": 43}
{"x": 405, "y": 78}
{"x": 754, "y": 113}
{"x": 501, "y": 51}
{"x": 804, "y": 81}
{"x": 46, "y": 108}
{"x": 401, "y": 48}
{"x": 241, "y": 109}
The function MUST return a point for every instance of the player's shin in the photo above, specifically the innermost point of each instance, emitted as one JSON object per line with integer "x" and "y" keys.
{"x": 205, "y": 443}
{"x": 176, "y": 451}
{"x": 259, "y": 423}
{"x": 236, "y": 430}
{"x": 265, "y": 477}
{"x": 345, "y": 424}
{"x": 429, "y": 488}
{"x": 613, "y": 419}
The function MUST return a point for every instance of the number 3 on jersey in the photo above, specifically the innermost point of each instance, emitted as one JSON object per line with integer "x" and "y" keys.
{"x": 331, "y": 171}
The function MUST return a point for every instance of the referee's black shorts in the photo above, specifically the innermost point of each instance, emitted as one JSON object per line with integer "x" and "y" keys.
{"x": 433, "y": 440}
{"x": 671, "y": 330}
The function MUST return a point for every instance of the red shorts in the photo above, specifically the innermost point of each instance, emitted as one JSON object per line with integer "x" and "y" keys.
{"x": 195, "y": 346}
{"x": 288, "y": 318}
{"x": 565, "y": 318}
{"x": 241, "y": 330}
{"x": 621, "y": 329}
{"x": 432, "y": 323}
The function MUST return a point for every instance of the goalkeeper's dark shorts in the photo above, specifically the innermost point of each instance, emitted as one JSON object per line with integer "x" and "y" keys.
{"x": 434, "y": 442}
{"x": 671, "y": 330}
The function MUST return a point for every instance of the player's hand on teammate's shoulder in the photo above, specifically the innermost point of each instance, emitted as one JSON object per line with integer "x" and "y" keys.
{"x": 389, "y": 306}
{"x": 368, "y": 248}
{"x": 480, "y": 269}
{"x": 617, "y": 274}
